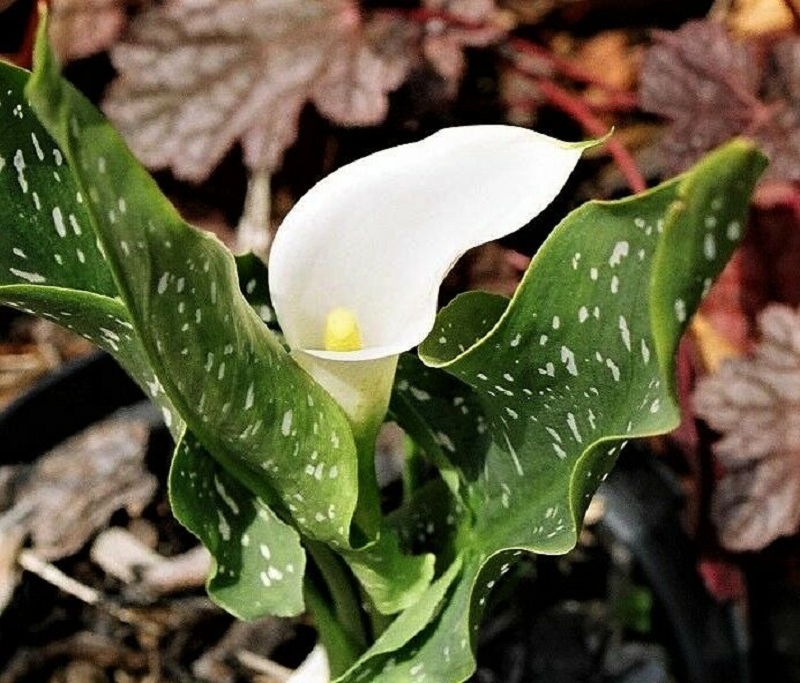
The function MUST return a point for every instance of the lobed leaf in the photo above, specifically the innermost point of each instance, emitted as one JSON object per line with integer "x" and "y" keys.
{"x": 754, "y": 404}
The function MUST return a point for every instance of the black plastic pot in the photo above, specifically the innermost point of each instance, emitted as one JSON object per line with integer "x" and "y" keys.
{"x": 643, "y": 504}
{"x": 562, "y": 625}
{"x": 80, "y": 393}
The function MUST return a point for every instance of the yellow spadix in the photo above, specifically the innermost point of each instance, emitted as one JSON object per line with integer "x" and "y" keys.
{"x": 341, "y": 331}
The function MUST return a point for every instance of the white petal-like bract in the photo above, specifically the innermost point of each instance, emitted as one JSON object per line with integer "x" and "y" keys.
{"x": 377, "y": 236}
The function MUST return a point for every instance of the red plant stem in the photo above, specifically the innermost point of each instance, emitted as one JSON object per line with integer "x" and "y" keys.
{"x": 615, "y": 100}
{"x": 577, "y": 109}
{"x": 573, "y": 71}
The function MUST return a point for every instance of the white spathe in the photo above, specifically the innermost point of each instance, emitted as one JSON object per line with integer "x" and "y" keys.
{"x": 378, "y": 236}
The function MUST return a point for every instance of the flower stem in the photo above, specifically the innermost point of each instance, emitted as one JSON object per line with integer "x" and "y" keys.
{"x": 343, "y": 590}
{"x": 367, "y": 517}
{"x": 362, "y": 389}
{"x": 342, "y": 652}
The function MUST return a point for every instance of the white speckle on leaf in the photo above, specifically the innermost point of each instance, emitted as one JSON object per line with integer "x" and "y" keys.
{"x": 76, "y": 228}
{"x": 445, "y": 441}
{"x": 611, "y": 365}
{"x": 710, "y": 246}
{"x": 162, "y": 283}
{"x": 680, "y": 310}
{"x": 226, "y": 498}
{"x": 19, "y": 164}
{"x": 286, "y": 424}
{"x": 223, "y": 527}
{"x": 58, "y": 221}
{"x": 625, "y": 332}
{"x": 552, "y": 432}
{"x": 573, "y": 426}
{"x": 37, "y": 147}
{"x": 645, "y": 352}
{"x": 33, "y": 278}
{"x": 620, "y": 251}
{"x": 420, "y": 394}
{"x": 568, "y": 358}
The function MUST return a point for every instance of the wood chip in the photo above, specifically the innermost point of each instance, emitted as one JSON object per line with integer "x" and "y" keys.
{"x": 122, "y": 555}
{"x": 77, "y": 486}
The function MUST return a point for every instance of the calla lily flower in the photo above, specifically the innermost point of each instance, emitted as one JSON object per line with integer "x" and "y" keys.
{"x": 356, "y": 266}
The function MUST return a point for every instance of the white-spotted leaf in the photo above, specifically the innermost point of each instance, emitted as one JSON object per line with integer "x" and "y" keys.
{"x": 259, "y": 562}
{"x": 230, "y": 379}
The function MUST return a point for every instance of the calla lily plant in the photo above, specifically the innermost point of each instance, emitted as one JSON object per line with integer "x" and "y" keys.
{"x": 356, "y": 266}
{"x": 515, "y": 409}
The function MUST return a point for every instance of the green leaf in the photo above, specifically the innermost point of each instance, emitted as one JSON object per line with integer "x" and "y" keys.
{"x": 443, "y": 651}
{"x": 254, "y": 285}
{"x": 50, "y": 264}
{"x": 258, "y": 560}
{"x": 403, "y": 629}
{"x": 582, "y": 357}
{"x": 581, "y": 360}
{"x": 256, "y": 412}
{"x": 46, "y": 238}
{"x": 393, "y": 579}
{"x": 443, "y": 415}
{"x": 432, "y": 521}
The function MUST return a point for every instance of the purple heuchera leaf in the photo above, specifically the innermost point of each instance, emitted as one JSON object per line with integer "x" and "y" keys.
{"x": 755, "y": 404}
{"x": 713, "y": 87}
{"x": 197, "y": 77}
